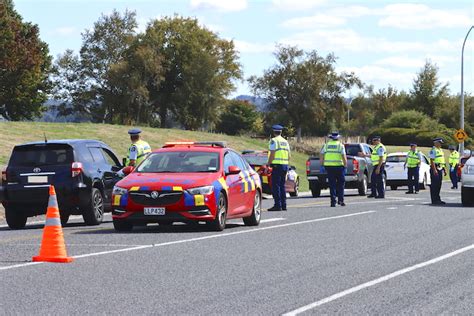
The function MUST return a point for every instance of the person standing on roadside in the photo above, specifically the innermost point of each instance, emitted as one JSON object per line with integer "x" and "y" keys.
{"x": 333, "y": 158}
{"x": 138, "y": 150}
{"x": 279, "y": 159}
{"x": 453, "y": 166}
{"x": 413, "y": 161}
{"x": 378, "y": 158}
{"x": 437, "y": 170}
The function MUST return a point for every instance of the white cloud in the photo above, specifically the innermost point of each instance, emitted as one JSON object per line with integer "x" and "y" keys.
{"x": 318, "y": 20}
{"x": 421, "y": 17}
{"x": 255, "y": 48}
{"x": 297, "y": 5}
{"x": 380, "y": 76}
{"x": 219, "y": 5}
{"x": 65, "y": 30}
{"x": 400, "y": 62}
{"x": 349, "y": 40}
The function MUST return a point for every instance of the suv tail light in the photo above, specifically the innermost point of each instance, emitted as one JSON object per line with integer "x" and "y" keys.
{"x": 308, "y": 163}
{"x": 4, "y": 175}
{"x": 355, "y": 166}
{"x": 76, "y": 169}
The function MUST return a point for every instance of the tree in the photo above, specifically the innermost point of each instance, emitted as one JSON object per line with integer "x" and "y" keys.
{"x": 304, "y": 86}
{"x": 428, "y": 94}
{"x": 238, "y": 117}
{"x": 199, "y": 69}
{"x": 24, "y": 66}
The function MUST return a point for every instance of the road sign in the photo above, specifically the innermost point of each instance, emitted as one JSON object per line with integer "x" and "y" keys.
{"x": 460, "y": 135}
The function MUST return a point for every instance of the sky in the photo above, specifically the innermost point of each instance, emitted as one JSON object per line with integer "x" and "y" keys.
{"x": 383, "y": 42}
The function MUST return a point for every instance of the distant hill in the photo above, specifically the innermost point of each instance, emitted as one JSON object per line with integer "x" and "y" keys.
{"x": 260, "y": 103}
{"x": 52, "y": 115}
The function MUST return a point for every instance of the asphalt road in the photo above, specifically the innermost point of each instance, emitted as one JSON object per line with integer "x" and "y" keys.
{"x": 393, "y": 256}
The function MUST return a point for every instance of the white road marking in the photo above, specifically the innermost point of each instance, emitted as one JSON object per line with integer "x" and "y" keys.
{"x": 408, "y": 205}
{"x": 377, "y": 281}
{"x": 199, "y": 238}
{"x": 392, "y": 208}
{"x": 272, "y": 220}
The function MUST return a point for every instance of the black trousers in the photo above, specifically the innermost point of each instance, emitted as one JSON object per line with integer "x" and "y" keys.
{"x": 435, "y": 188}
{"x": 414, "y": 179}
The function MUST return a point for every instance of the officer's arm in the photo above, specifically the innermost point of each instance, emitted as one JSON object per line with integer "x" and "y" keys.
{"x": 133, "y": 153}
{"x": 271, "y": 157}
{"x": 344, "y": 159}
{"x": 432, "y": 163}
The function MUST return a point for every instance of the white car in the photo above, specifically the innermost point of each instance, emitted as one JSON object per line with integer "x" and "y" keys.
{"x": 397, "y": 175}
{"x": 467, "y": 183}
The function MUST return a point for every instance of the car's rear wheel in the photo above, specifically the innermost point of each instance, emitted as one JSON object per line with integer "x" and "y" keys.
{"x": 15, "y": 218}
{"x": 94, "y": 212}
{"x": 296, "y": 189}
{"x": 316, "y": 190}
{"x": 424, "y": 184}
{"x": 254, "y": 218}
{"x": 218, "y": 224}
{"x": 362, "y": 186}
{"x": 466, "y": 196}
{"x": 122, "y": 225}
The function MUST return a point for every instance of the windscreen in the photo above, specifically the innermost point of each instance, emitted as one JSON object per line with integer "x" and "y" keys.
{"x": 41, "y": 155}
{"x": 180, "y": 162}
{"x": 352, "y": 150}
{"x": 396, "y": 158}
{"x": 256, "y": 160}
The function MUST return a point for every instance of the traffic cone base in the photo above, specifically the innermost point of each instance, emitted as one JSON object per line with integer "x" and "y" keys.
{"x": 52, "y": 248}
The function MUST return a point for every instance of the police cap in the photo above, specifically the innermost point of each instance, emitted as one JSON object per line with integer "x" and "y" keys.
{"x": 134, "y": 131}
{"x": 334, "y": 135}
{"x": 277, "y": 128}
{"x": 438, "y": 139}
{"x": 413, "y": 144}
{"x": 376, "y": 137}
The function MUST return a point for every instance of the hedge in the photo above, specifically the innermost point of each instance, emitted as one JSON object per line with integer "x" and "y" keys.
{"x": 404, "y": 136}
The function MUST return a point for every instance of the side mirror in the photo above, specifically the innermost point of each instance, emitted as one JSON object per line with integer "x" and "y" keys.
{"x": 128, "y": 170}
{"x": 234, "y": 170}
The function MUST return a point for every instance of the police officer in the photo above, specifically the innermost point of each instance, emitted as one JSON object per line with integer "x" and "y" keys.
{"x": 413, "y": 161}
{"x": 138, "y": 150}
{"x": 453, "y": 166}
{"x": 437, "y": 170}
{"x": 279, "y": 159}
{"x": 378, "y": 158}
{"x": 333, "y": 158}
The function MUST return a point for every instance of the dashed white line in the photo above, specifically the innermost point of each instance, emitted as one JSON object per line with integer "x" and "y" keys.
{"x": 199, "y": 238}
{"x": 377, "y": 281}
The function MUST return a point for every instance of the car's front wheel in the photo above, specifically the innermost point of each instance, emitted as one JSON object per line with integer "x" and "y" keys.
{"x": 218, "y": 224}
{"x": 254, "y": 218}
{"x": 424, "y": 184}
{"x": 122, "y": 226}
{"x": 93, "y": 213}
{"x": 15, "y": 218}
{"x": 466, "y": 196}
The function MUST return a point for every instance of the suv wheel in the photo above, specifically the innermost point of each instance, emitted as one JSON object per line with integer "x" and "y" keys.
{"x": 316, "y": 190}
{"x": 218, "y": 223}
{"x": 254, "y": 218}
{"x": 15, "y": 218}
{"x": 362, "y": 186}
{"x": 93, "y": 214}
{"x": 424, "y": 184}
{"x": 64, "y": 217}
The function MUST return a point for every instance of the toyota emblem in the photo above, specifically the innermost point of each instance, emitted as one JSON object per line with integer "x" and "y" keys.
{"x": 155, "y": 195}
{"x": 37, "y": 170}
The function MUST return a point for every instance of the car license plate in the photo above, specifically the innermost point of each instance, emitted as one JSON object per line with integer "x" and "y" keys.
{"x": 154, "y": 211}
{"x": 38, "y": 179}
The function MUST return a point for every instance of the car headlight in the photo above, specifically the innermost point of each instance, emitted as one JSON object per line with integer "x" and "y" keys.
{"x": 468, "y": 169}
{"x": 119, "y": 191}
{"x": 201, "y": 190}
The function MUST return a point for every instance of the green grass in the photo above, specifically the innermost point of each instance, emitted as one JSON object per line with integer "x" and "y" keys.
{"x": 13, "y": 133}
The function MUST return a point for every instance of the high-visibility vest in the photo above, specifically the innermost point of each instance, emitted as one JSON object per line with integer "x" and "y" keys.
{"x": 413, "y": 159}
{"x": 143, "y": 149}
{"x": 439, "y": 157}
{"x": 333, "y": 154}
{"x": 375, "y": 157}
{"x": 454, "y": 158}
{"x": 282, "y": 151}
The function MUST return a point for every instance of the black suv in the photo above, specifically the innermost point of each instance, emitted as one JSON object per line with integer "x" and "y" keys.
{"x": 82, "y": 171}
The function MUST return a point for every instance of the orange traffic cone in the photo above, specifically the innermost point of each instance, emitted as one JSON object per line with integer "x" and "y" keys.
{"x": 53, "y": 248}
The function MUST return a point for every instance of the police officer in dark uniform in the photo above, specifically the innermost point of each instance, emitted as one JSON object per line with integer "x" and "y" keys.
{"x": 333, "y": 158}
{"x": 279, "y": 159}
{"x": 438, "y": 165}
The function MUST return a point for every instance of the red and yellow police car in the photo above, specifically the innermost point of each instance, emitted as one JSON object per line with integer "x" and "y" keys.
{"x": 188, "y": 182}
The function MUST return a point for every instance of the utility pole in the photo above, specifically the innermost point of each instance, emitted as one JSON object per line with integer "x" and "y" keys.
{"x": 461, "y": 149}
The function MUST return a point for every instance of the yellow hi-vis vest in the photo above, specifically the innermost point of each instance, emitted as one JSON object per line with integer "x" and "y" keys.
{"x": 454, "y": 159}
{"x": 439, "y": 157}
{"x": 282, "y": 151}
{"x": 333, "y": 154}
{"x": 413, "y": 159}
{"x": 375, "y": 157}
{"x": 143, "y": 149}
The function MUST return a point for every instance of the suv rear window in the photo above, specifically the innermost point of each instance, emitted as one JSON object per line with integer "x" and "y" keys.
{"x": 41, "y": 155}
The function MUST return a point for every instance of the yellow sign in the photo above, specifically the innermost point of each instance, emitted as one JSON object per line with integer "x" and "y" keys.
{"x": 460, "y": 135}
